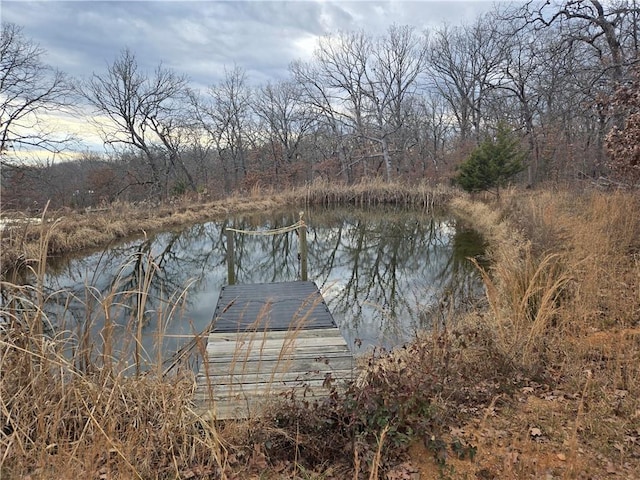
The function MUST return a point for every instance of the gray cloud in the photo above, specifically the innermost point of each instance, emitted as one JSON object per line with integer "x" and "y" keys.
{"x": 203, "y": 38}
{"x": 200, "y": 38}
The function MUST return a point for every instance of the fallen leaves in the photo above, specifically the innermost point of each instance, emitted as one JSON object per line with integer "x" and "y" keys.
{"x": 535, "y": 433}
{"x": 404, "y": 471}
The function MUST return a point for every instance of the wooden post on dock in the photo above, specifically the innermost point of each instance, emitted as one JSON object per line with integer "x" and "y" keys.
{"x": 231, "y": 274}
{"x": 303, "y": 248}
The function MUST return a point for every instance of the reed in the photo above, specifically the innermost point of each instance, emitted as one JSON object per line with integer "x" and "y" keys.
{"x": 562, "y": 292}
{"x": 76, "y": 231}
{"x": 524, "y": 298}
{"x": 556, "y": 348}
{"x": 375, "y": 192}
{"x": 67, "y": 410}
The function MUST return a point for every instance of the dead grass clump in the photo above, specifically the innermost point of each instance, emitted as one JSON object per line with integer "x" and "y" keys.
{"x": 523, "y": 289}
{"x": 506, "y": 240}
{"x": 373, "y": 192}
{"x": 610, "y": 224}
{"x": 525, "y": 299}
{"x": 564, "y": 305}
{"x": 60, "y": 423}
{"x": 600, "y": 233}
{"x": 67, "y": 410}
{"x": 96, "y": 228}
{"x": 110, "y": 227}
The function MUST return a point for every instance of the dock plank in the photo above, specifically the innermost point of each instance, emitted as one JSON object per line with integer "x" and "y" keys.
{"x": 280, "y": 381}
{"x": 273, "y": 347}
{"x": 295, "y": 365}
{"x": 251, "y": 358}
{"x": 262, "y": 376}
{"x": 314, "y": 388}
{"x": 273, "y": 306}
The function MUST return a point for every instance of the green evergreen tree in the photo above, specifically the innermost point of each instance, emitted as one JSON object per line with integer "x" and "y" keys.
{"x": 492, "y": 163}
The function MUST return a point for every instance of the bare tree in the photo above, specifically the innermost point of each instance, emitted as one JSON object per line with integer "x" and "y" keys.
{"x": 286, "y": 121}
{"x": 225, "y": 116}
{"x": 29, "y": 89}
{"x": 330, "y": 126}
{"x": 399, "y": 60}
{"x": 340, "y": 64}
{"x": 431, "y": 129}
{"x": 596, "y": 43}
{"x": 463, "y": 60}
{"x": 363, "y": 88}
{"x": 146, "y": 113}
{"x": 601, "y": 25}
{"x": 516, "y": 90}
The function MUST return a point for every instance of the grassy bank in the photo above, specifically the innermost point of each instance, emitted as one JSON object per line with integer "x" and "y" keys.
{"x": 563, "y": 327}
{"x": 75, "y": 231}
{"x": 541, "y": 380}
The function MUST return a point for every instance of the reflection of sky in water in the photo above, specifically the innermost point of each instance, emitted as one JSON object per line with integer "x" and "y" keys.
{"x": 379, "y": 273}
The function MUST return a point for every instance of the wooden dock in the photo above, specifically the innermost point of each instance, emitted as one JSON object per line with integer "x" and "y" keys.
{"x": 269, "y": 340}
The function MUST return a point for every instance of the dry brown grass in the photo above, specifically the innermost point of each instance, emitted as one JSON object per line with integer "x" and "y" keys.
{"x": 374, "y": 192}
{"x": 68, "y": 409}
{"x": 542, "y": 383}
{"x": 93, "y": 229}
{"x": 65, "y": 424}
{"x": 563, "y": 292}
{"x": 59, "y": 423}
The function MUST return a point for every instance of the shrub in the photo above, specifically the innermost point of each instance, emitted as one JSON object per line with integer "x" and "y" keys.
{"x": 492, "y": 163}
{"x": 623, "y": 144}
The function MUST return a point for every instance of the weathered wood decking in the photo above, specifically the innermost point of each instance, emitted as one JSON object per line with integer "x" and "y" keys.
{"x": 268, "y": 340}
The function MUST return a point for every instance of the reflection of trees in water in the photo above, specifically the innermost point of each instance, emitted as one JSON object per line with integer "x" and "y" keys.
{"x": 153, "y": 271}
{"x": 155, "y": 266}
{"x": 150, "y": 273}
{"x": 460, "y": 283}
{"x": 267, "y": 258}
{"x": 380, "y": 271}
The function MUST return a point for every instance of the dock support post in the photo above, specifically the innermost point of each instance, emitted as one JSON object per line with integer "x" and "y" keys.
{"x": 303, "y": 249}
{"x": 231, "y": 274}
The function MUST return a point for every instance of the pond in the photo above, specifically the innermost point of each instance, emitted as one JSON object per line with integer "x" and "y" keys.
{"x": 385, "y": 275}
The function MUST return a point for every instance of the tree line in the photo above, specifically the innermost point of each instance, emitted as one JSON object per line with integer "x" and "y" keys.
{"x": 404, "y": 104}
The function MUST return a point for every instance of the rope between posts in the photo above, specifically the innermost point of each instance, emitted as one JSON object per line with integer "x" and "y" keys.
{"x": 276, "y": 231}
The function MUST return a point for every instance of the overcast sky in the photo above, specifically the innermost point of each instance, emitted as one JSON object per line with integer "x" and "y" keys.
{"x": 200, "y": 38}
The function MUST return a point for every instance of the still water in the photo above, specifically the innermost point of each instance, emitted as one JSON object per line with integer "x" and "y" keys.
{"x": 385, "y": 274}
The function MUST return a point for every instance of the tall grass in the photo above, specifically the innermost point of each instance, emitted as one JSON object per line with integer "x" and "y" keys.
{"x": 524, "y": 295}
{"x": 374, "y": 192}
{"x": 564, "y": 266}
{"x": 564, "y": 306}
{"x": 94, "y": 229}
{"x": 68, "y": 410}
